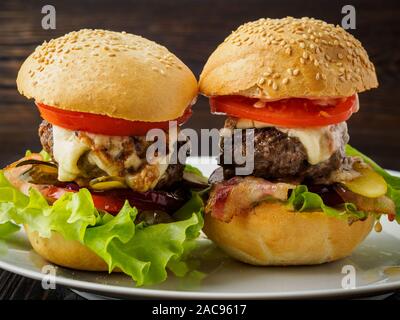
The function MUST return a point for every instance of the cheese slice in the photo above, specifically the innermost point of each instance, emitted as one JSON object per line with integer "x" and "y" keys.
{"x": 317, "y": 142}
{"x": 67, "y": 149}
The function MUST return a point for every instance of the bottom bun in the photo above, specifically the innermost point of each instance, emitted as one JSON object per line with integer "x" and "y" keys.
{"x": 66, "y": 253}
{"x": 270, "y": 235}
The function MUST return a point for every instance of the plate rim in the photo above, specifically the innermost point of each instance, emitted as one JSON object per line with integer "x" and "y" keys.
{"x": 168, "y": 294}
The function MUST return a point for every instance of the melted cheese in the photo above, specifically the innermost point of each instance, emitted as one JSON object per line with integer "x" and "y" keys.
{"x": 317, "y": 142}
{"x": 320, "y": 142}
{"x": 67, "y": 149}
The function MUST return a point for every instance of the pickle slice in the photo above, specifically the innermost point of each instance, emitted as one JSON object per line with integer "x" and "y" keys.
{"x": 107, "y": 183}
{"x": 369, "y": 184}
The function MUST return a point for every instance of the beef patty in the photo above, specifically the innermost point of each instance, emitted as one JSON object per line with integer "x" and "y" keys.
{"x": 279, "y": 156}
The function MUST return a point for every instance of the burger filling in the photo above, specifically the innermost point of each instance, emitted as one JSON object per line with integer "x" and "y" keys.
{"x": 94, "y": 160}
{"x": 307, "y": 167}
{"x": 315, "y": 155}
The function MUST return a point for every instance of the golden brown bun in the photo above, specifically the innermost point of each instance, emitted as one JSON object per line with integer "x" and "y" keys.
{"x": 282, "y": 58}
{"x": 66, "y": 253}
{"x": 116, "y": 74}
{"x": 269, "y": 234}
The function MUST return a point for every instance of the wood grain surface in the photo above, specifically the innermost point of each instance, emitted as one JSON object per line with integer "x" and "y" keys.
{"x": 192, "y": 30}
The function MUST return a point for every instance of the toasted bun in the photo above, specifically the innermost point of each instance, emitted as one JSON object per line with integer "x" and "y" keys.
{"x": 269, "y": 234}
{"x": 282, "y": 58}
{"x": 116, "y": 74}
{"x": 66, "y": 253}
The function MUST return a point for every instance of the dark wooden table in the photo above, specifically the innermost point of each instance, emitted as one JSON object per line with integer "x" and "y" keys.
{"x": 192, "y": 30}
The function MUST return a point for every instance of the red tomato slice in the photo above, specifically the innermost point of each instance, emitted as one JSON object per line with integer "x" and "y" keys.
{"x": 95, "y": 123}
{"x": 292, "y": 113}
{"x": 111, "y": 204}
{"x": 113, "y": 200}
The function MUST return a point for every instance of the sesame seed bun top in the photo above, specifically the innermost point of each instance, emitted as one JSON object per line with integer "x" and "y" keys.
{"x": 117, "y": 74}
{"x": 282, "y": 58}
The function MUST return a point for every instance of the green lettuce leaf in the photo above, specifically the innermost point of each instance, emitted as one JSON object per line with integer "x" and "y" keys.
{"x": 45, "y": 156}
{"x": 7, "y": 229}
{"x": 393, "y": 182}
{"x": 303, "y": 200}
{"x": 190, "y": 169}
{"x": 144, "y": 252}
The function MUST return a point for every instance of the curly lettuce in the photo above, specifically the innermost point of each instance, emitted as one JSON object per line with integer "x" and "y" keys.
{"x": 144, "y": 252}
{"x": 303, "y": 200}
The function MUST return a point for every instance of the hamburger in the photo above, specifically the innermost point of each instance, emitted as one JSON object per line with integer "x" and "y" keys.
{"x": 290, "y": 85}
{"x": 92, "y": 199}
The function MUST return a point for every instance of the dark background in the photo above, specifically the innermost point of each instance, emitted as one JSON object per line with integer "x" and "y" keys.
{"x": 192, "y": 30}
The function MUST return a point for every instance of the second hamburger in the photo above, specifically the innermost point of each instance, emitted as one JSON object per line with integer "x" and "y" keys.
{"x": 311, "y": 198}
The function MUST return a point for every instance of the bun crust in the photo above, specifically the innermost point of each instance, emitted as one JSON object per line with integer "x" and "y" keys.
{"x": 66, "y": 253}
{"x": 269, "y": 235}
{"x": 109, "y": 73}
{"x": 283, "y": 58}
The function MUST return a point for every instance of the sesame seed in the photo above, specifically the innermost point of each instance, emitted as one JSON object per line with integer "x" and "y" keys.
{"x": 317, "y": 76}
{"x": 261, "y": 81}
{"x": 274, "y": 86}
{"x": 285, "y": 80}
{"x": 296, "y": 72}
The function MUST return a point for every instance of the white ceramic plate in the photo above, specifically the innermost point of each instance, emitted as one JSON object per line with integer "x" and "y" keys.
{"x": 376, "y": 263}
